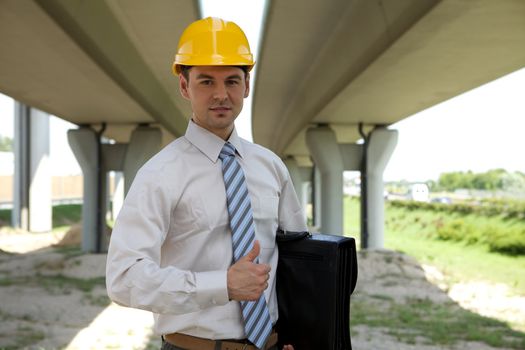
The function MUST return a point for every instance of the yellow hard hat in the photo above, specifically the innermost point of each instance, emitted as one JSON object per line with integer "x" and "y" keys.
{"x": 213, "y": 42}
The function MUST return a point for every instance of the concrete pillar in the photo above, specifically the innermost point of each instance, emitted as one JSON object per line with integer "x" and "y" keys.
{"x": 381, "y": 145}
{"x": 317, "y": 200}
{"x": 118, "y": 194}
{"x": 352, "y": 154}
{"x": 325, "y": 151}
{"x": 84, "y": 144}
{"x": 306, "y": 199}
{"x": 295, "y": 174}
{"x": 20, "y": 213}
{"x": 32, "y": 208}
{"x": 301, "y": 176}
{"x": 113, "y": 160}
{"x": 144, "y": 143}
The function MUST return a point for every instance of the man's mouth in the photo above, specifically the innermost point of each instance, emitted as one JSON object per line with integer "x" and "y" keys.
{"x": 220, "y": 109}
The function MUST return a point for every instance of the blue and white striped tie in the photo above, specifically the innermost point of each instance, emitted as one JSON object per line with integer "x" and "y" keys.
{"x": 257, "y": 323}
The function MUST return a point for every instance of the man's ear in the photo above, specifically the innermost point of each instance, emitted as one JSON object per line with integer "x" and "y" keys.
{"x": 183, "y": 87}
{"x": 247, "y": 82}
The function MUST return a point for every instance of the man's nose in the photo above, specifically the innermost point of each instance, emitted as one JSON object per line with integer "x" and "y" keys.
{"x": 220, "y": 92}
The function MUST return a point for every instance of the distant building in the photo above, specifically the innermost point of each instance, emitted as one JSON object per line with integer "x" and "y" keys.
{"x": 419, "y": 192}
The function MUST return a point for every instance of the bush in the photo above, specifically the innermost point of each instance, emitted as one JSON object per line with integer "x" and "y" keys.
{"x": 498, "y": 225}
{"x": 511, "y": 241}
{"x": 458, "y": 230}
{"x": 450, "y": 231}
{"x": 508, "y": 209}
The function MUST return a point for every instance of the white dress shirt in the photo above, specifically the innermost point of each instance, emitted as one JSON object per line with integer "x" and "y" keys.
{"x": 171, "y": 245}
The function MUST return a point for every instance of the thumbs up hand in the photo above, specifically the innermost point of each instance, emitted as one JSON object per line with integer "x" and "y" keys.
{"x": 252, "y": 254}
{"x": 247, "y": 280}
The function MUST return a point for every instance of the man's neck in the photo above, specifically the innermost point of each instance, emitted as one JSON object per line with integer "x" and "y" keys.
{"x": 222, "y": 133}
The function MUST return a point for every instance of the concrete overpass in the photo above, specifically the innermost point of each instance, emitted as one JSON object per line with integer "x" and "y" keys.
{"x": 330, "y": 72}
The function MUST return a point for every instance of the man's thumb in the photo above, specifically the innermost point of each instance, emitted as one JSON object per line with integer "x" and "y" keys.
{"x": 254, "y": 253}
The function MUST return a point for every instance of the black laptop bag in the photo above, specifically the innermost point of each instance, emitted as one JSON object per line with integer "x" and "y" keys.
{"x": 316, "y": 275}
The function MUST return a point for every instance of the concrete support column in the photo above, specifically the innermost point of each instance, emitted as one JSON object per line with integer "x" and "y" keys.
{"x": 84, "y": 144}
{"x": 381, "y": 145}
{"x": 118, "y": 194}
{"x": 307, "y": 197}
{"x": 96, "y": 160}
{"x": 112, "y": 160}
{"x": 32, "y": 208}
{"x": 295, "y": 174}
{"x": 300, "y": 178}
{"x": 325, "y": 151}
{"x": 20, "y": 213}
{"x": 144, "y": 143}
{"x": 317, "y": 199}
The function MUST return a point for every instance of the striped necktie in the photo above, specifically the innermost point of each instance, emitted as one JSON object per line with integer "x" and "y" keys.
{"x": 257, "y": 323}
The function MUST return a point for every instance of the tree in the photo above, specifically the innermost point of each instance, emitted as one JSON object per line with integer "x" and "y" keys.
{"x": 495, "y": 179}
{"x": 6, "y": 144}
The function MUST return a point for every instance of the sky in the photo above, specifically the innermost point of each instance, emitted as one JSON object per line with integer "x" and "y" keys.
{"x": 479, "y": 130}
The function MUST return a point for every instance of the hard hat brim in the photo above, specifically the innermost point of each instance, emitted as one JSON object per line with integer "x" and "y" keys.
{"x": 179, "y": 61}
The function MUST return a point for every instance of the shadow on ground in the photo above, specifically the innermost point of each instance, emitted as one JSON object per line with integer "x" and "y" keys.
{"x": 396, "y": 307}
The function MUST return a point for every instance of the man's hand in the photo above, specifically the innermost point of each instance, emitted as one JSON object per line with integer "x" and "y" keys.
{"x": 246, "y": 279}
{"x": 288, "y": 347}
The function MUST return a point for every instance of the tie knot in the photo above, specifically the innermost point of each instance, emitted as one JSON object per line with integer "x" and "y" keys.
{"x": 228, "y": 150}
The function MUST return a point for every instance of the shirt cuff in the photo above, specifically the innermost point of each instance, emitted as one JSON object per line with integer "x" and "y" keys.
{"x": 212, "y": 288}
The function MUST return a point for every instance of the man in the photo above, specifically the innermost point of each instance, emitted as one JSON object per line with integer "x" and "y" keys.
{"x": 195, "y": 240}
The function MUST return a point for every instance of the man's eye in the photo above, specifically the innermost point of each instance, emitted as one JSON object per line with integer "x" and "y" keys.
{"x": 206, "y": 82}
{"x": 232, "y": 82}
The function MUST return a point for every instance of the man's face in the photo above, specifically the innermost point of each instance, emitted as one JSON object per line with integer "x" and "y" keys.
{"x": 216, "y": 94}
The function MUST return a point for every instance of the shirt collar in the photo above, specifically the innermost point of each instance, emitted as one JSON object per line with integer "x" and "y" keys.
{"x": 209, "y": 143}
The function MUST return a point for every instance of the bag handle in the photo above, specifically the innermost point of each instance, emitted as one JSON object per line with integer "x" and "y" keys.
{"x": 290, "y": 236}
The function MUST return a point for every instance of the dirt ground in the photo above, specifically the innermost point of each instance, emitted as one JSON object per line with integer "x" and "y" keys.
{"x": 54, "y": 298}
{"x": 401, "y": 278}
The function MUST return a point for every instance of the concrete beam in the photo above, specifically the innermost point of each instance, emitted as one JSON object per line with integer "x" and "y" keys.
{"x": 107, "y": 43}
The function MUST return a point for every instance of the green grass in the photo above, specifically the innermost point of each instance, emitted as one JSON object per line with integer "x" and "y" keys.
{"x": 463, "y": 262}
{"x": 5, "y": 216}
{"x": 22, "y": 337}
{"x": 431, "y": 323}
{"x": 54, "y": 283}
{"x": 413, "y": 232}
{"x": 64, "y": 215}
{"x": 69, "y": 251}
{"x": 100, "y": 300}
{"x": 352, "y": 219}
{"x": 494, "y": 228}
